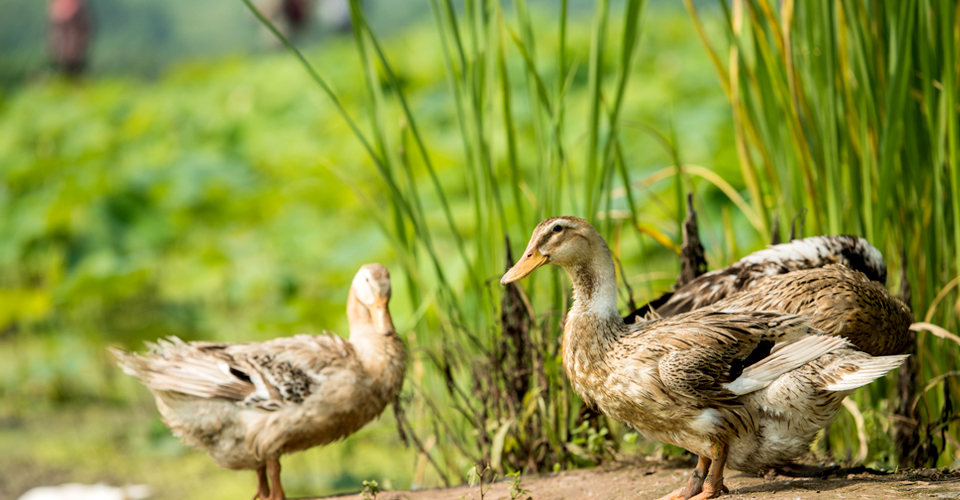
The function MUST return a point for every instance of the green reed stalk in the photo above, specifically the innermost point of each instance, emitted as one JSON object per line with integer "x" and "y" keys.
{"x": 597, "y": 45}
{"x": 856, "y": 102}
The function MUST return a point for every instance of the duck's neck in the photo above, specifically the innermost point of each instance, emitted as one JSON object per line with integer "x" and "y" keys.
{"x": 381, "y": 354}
{"x": 594, "y": 287}
{"x": 593, "y": 324}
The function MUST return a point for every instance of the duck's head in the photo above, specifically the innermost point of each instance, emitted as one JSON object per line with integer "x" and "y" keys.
{"x": 564, "y": 241}
{"x": 370, "y": 298}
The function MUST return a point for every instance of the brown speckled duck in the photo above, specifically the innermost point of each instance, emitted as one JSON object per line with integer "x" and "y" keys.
{"x": 839, "y": 301}
{"x": 744, "y": 274}
{"x": 745, "y": 389}
{"x": 248, "y": 404}
{"x": 836, "y": 281}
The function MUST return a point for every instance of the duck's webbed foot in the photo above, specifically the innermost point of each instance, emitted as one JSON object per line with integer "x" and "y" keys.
{"x": 694, "y": 485}
{"x": 713, "y": 484}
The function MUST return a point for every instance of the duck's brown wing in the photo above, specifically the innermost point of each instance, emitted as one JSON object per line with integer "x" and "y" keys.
{"x": 713, "y": 357}
{"x": 808, "y": 253}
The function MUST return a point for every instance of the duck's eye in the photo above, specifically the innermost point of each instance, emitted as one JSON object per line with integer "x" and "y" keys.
{"x": 557, "y": 228}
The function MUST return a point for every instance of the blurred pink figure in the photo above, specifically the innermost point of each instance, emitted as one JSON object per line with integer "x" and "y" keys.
{"x": 70, "y": 27}
{"x": 296, "y": 13}
{"x": 290, "y": 17}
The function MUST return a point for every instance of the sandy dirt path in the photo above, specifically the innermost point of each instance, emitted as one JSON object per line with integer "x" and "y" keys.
{"x": 642, "y": 482}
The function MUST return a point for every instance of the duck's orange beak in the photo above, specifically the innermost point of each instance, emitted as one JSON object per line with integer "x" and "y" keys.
{"x": 532, "y": 259}
{"x": 381, "y": 316}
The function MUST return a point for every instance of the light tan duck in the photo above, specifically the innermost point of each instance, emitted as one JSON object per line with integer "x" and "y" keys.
{"x": 745, "y": 274}
{"x": 745, "y": 389}
{"x": 248, "y": 404}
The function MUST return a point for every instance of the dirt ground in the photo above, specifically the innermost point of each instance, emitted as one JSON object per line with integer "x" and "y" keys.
{"x": 630, "y": 481}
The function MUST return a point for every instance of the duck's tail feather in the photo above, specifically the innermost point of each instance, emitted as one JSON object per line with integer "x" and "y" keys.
{"x": 789, "y": 356}
{"x": 173, "y": 366}
{"x": 869, "y": 369}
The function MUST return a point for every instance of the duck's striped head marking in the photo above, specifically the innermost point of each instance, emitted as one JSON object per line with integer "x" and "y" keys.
{"x": 564, "y": 241}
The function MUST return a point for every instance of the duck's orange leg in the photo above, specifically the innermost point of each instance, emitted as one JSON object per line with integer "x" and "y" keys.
{"x": 713, "y": 485}
{"x": 276, "y": 489}
{"x": 695, "y": 485}
{"x": 263, "y": 487}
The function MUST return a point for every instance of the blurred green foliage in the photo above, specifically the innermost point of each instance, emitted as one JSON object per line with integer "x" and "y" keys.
{"x": 190, "y": 206}
{"x": 220, "y": 201}
{"x": 205, "y": 205}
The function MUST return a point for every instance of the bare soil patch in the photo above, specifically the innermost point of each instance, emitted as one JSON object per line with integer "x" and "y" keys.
{"x": 646, "y": 481}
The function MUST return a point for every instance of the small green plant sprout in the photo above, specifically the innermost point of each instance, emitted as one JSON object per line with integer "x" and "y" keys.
{"x": 475, "y": 476}
{"x": 517, "y": 491}
{"x": 370, "y": 490}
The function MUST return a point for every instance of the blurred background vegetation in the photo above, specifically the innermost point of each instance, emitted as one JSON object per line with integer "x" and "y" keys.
{"x": 197, "y": 182}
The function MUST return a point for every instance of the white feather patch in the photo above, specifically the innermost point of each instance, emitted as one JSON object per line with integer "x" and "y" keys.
{"x": 814, "y": 249}
{"x": 870, "y": 370}
{"x": 706, "y": 422}
{"x": 786, "y": 358}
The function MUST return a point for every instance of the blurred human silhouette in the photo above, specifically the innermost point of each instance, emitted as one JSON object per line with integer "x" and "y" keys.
{"x": 70, "y": 29}
{"x": 296, "y": 13}
{"x": 291, "y": 17}
{"x": 294, "y": 18}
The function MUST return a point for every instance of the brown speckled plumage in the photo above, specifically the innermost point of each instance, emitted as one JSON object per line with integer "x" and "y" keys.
{"x": 248, "y": 404}
{"x": 748, "y": 389}
{"x": 839, "y": 301}
{"x": 746, "y": 273}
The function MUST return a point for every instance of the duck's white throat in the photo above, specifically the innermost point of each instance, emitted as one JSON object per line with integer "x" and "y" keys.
{"x": 594, "y": 287}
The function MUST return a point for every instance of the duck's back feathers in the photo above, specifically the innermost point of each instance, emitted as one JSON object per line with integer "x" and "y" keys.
{"x": 839, "y": 301}
{"x": 808, "y": 253}
{"x": 818, "y": 251}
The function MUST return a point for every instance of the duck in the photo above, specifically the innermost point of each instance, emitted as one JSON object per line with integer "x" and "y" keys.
{"x": 249, "y": 404}
{"x": 797, "y": 255}
{"x": 744, "y": 389}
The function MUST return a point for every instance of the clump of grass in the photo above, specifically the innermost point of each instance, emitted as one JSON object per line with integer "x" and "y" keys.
{"x": 849, "y": 110}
